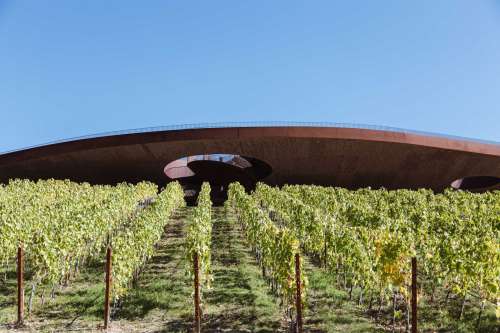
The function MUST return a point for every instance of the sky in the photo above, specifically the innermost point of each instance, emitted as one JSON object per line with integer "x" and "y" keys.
{"x": 70, "y": 68}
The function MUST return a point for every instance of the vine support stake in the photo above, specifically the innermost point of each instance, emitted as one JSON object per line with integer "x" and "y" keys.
{"x": 413, "y": 295}
{"x": 108, "y": 287}
{"x": 20, "y": 285}
{"x": 197, "y": 319}
{"x": 298, "y": 298}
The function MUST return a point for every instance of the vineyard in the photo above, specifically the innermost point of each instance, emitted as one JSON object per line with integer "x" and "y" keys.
{"x": 372, "y": 240}
{"x": 297, "y": 258}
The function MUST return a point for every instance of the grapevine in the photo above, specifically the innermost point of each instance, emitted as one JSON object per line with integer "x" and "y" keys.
{"x": 134, "y": 244}
{"x": 275, "y": 246}
{"x": 199, "y": 234}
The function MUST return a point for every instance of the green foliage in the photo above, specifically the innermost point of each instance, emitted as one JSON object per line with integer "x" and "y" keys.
{"x": 369, "y": 236}
{"x": 61, "y": 224}
{"x": 134, "y": 243}
{"x": 199, "y": 237}
{"x": 275, "y": 246}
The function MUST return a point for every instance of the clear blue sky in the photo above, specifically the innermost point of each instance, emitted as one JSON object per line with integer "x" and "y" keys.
{"x": 70, "y": 68}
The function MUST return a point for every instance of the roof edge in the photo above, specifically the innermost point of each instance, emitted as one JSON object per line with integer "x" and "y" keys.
{"x": 255, "y": 124}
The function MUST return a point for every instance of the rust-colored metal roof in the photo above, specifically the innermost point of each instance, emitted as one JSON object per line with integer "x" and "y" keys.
{"x": 299, "y": 154}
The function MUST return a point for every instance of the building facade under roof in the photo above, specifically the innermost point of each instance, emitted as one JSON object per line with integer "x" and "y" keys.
{"x": 350, "y": 156}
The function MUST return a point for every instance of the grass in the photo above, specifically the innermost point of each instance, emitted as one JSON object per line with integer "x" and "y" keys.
{"x": 161, "y": 301}
{"x": 239, "y": 300}
{"x": 329, "y": 309}
{"x": 77, "y": 306}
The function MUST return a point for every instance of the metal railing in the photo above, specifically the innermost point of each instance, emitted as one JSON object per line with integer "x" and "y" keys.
{"x": 254, "y": 124}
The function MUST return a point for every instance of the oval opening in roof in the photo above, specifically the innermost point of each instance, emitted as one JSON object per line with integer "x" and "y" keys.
{"x": 219, "y": 170}
{"x": 476, "y": 183}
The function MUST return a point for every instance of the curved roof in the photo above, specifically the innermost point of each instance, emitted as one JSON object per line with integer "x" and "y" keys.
{"x": 345, "y": 155}
{"x": 254, "y": 124}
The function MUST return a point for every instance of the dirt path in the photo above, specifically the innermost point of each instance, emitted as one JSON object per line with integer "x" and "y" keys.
{"x": 239, "y": 300}
{"x": 161, "y": 301}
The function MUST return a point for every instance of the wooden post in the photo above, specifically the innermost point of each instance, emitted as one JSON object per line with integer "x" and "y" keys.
{"x": 197, "y": 316}
{"x": 325, "y": 252}
{"x": 414, "y": 295}
{"x": 298, "y": 298}
{"x": 20, "y": 285}
{"x": 108, "y": 287}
